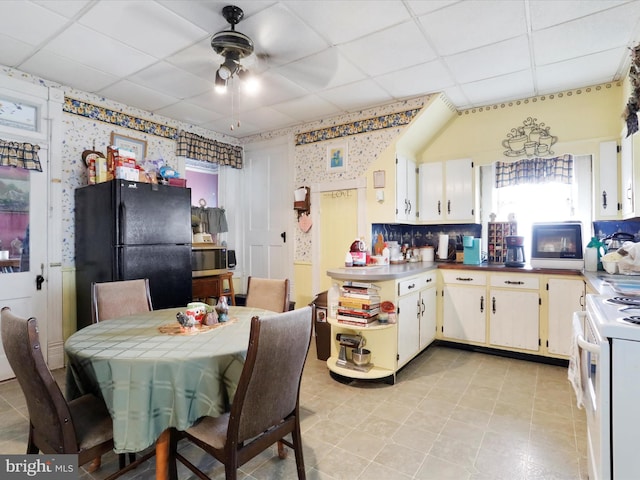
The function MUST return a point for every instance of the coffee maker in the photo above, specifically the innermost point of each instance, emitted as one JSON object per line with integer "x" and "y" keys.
{"x": 471, "y": 248}
{"x": 515, "y": 251}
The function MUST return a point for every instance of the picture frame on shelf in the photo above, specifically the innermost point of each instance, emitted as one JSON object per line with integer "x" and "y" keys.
{"x": 337, "y": 155}
{"x": 378, "y": 179}
{"x": 135, "y": 145}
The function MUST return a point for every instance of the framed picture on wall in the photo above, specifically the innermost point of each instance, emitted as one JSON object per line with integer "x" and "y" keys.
{"x": 139, "y": 147}
{"x": 337, "y": 157}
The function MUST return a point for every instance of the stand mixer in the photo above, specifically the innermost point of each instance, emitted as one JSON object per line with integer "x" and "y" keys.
{"x": 354, "y": 342}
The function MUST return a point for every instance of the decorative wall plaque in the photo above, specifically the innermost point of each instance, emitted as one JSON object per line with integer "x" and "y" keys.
{"x": 529, "y": 140}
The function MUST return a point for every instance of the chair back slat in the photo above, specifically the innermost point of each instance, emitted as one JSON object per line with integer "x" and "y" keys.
{"x": 117, "y": 299}
{"x": 268, "y": 294}
{"x": 269, "y": 386}
{"x": 48, "y": 411}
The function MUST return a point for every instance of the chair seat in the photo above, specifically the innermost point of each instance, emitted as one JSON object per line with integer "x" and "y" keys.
{"x": 211, "y": 430}
{"x": 92, "y": 420}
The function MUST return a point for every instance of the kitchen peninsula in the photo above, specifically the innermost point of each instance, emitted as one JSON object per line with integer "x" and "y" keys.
{"x": 523, "y": 312}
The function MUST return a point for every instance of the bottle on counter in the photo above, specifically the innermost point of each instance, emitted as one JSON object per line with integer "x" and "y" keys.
{"x": 348, "y": 260}
{"x": 333, "y": 296}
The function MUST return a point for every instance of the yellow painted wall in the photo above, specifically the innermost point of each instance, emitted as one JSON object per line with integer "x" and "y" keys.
{"x": 302, "y": 279}
{"x": 580, "y": 119}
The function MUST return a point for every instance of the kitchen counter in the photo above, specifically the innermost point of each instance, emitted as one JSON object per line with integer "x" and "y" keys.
{"x": 379, "y": 273}
{"x": 494, "y": 267}
{"x": 606, "y": 284}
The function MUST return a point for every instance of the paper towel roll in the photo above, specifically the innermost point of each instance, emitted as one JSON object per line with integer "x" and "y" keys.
{"x": 443, "y": 247}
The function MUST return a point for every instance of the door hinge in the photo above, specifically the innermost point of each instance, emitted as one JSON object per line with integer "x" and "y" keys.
{"x": 539, "y": 301}
{"x": 539, "y": 343}
{"x": 618, "y": 149}
{"x": 547, "y": 343}
{"x": 397, "y": 357}
{"x": 547, "y": 287}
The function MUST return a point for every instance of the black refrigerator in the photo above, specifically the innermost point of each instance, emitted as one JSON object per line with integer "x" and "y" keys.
{"x": 126, "y": 230}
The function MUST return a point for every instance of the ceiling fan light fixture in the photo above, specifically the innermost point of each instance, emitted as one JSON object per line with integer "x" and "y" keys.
{"x": 250, "y": 83}
{"x": 220, "y": 84}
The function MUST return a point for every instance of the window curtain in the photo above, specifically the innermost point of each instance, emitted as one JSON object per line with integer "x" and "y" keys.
{"x": 204, "y": 149}
{"x": 20, "y": 155}
{"x": 535, "y": 170}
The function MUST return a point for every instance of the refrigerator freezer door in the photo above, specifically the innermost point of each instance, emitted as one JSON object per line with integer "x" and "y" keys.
{"x": 168, "y": 268}
{"x": 149, "y": 214}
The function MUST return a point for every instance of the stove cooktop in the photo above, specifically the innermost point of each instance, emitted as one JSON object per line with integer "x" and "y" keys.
{"x": 616, "y": 317}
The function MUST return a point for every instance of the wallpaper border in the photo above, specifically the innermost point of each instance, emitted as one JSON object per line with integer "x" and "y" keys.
{"x": 380, "y": 122}
{"x": 113, "y": 117}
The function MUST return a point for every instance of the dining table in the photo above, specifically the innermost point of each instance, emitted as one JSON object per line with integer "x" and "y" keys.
{"x": 155, "y": 376}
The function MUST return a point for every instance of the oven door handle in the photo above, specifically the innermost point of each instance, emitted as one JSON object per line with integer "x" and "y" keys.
{"x": 578, "y": 319}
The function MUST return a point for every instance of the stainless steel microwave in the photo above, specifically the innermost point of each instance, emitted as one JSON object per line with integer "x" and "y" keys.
{"x": 207, "y": 259}
{"x": 557, "y": 245}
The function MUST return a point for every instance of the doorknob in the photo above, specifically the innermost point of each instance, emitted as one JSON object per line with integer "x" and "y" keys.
{"x": 39, "y": 282}
{"x": 284, "y": 236}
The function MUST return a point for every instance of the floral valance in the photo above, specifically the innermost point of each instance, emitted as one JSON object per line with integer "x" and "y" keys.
{"x": 20, "y": 155}
{"x": 535, "y": 170}
{"x": 204, "y": 149}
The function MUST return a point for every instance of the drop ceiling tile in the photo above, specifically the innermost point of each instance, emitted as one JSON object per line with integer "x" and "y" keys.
{"x": 223, "y": 105}
{"x": 223, "y": 126}
{"x": 172, "y": 81}
{"x": 490, "y": 61}
{"x": 13, "y": 51}
{"x": 602, "y": 31}
{"x": 545, "y": 14}
{"x": 152, "y": 28}
{"x": 138, "y": 96}
{"x": 198, "y": 59}
{"x": 395, "y": 48}
{"x": 274, "y": 88}
{"x": 362, "y": 94}
{"x": 308, "y": 108}
{"x": 67, "y": 72}
{"x": 188, "y": 113}
{"x": 208, "y": 14}
{"x": 499, "y": 89}
{"x": 28, "y": 22}
{"x": 98, "y": 51}
{"x": 420, "y": 7}
{"x": 579, "y": 72}
{"x": 418, "y": 80}
{"x": 457, "y": 97}
{"x": 66, "y": 8}
{"x": 341, "y": 22}
{"x": 266, "y": 119}
{"x": 468, "y": 25}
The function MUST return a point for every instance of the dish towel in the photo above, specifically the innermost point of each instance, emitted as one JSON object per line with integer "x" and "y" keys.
{"x": 575, "y": 369}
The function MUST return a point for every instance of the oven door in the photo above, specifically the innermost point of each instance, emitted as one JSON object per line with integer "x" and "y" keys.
{"x": 594, "y": 365}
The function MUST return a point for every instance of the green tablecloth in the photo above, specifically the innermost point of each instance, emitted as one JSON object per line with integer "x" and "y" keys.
{"x": 150, "y": 380}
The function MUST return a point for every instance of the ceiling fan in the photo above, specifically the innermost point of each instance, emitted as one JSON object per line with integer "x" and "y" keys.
{"x": 233, "y": 46}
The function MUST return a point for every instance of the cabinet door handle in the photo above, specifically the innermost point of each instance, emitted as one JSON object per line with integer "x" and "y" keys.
{"x": 413, "y": 285}
{"x": 439, "y": 210}
{"x": 629, "y": 192}
{"x": 464, "y": 279}
{"x": 448, "y": 206}
{"x": 510, "y": 282}
{"x": 423, "y": 308}
{"x": 409, "y": 206}
{"x": 604, "y": 199}
{"x": 482, "y": 304}
{"x": 582, "y": 300}
{"x": 493, "y": 304}
{"x": 428, "y": 280}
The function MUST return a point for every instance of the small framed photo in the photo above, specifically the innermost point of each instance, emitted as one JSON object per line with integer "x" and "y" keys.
{"x": 337, "y": 157}
{"x": 139, "y": 147}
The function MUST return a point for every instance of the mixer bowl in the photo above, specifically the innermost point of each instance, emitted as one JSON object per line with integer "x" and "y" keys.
{"x": 361, "y": 356}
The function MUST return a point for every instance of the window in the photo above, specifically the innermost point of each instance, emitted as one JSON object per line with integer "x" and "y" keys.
{"x": 546, "y": 202}
{"x": 202, "y": 179}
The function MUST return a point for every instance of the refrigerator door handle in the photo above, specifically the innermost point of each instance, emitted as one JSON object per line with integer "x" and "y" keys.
{"x": 122, "y": 223}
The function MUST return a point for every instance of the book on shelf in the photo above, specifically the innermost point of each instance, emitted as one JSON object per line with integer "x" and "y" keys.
{"x": 354, "y": 320}
{"x": 363, "y": 303}
{"x": 361, "y": 291}
{"x": 349, "y": 283}
{"x": 358, "y": 312}
{"x": 359, "y": 324}
{"x": 374, "y": 298}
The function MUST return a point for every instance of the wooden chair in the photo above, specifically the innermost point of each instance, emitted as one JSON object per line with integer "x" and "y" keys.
{"x": 269, "y": 294}
{"x": 116, "y": 299}
{"x": 81, "y": 426}
{"x": 265, "y": 407}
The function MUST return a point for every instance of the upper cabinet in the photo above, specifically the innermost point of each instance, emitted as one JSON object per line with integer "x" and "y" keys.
{"x": 447, "y": 192}
{"x": 405, "y": 189}
{"x": 606, "y": 198}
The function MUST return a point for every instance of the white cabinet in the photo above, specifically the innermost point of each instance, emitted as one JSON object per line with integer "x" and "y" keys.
{"x": 406, "y": 194}
{"x": 464, "y": 306}
{"x": 416, "y": 307}
{"x": 447, "y": 191}
{"x": 630, "y": 175}
{"x": 606, "y": 192}
{"x": 565, "y": 296}
{"x": 514, "y": 311}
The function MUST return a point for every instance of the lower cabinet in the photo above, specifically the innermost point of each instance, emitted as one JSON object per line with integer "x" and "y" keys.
{"x": 514, "y": 311}
{"x": 464, "y": 306}
{"x": 416, "y": 307}
{"x": 565, "y": 296}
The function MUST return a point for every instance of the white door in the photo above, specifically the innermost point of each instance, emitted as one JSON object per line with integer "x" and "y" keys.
{"x": 464, "y": 313}
{"x": 268, "y": 197}
{"x": 514, "y": 319}
{"x": 408, "y": 327}
{"x": 23, "y": 233}
{"x": 430, "y": 191}
{"x": 459, "y": 190}
{"x": 428, "y": 311}
{"x": 565, "y": 297}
